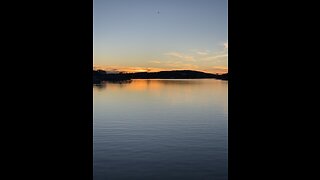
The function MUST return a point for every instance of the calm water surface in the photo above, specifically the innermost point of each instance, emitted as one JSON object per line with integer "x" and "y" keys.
{"x": 161, "y": 129}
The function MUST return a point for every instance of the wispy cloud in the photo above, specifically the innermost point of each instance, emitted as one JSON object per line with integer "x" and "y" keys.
{"x": 197, "y": 59}
{"x": 217, "y": 69}
{"x": 128, "y": 69}
{"x": 180, "y": 65}
{"x": 215, "y": 57}
{"x": 207, "y": 60}
{"x": 155, "y": 62}
{"x": 165, "y": 66}
{"x": 180, "y": 56}
{"x": 174, "y": 64}
{"x": 203, "y": 53}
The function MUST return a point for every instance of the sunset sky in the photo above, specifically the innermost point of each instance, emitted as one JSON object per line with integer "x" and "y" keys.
{"x": 154, "y": 35}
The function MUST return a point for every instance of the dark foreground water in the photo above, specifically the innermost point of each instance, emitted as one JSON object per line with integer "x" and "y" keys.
{"x": 161, "y": 129}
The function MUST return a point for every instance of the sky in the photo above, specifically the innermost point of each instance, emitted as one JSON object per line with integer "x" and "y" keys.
{"x": 155, "y": 35}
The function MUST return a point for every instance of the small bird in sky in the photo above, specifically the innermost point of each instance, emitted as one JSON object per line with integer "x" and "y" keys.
{"x": 158, "y": 12}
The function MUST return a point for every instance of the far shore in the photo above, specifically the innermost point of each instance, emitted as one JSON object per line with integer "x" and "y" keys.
{"x": 101, "y": 75}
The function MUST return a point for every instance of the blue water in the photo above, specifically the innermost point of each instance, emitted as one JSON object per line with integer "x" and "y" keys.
{"x": 161, "y": 129}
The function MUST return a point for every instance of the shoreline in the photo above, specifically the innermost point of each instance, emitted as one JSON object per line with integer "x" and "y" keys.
{"x": 100, "y": 75}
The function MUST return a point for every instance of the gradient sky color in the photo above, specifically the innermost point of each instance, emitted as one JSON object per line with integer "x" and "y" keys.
{"x": 153, "y": 35}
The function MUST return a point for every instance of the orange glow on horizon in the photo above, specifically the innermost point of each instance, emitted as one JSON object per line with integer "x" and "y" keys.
{"x": 213, "y": 70}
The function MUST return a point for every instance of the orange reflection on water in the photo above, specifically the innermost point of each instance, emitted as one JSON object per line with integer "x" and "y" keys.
{"x": 172, "y": 92}
{"x": 156, "y": 84}
{"x": 141, "y": 85}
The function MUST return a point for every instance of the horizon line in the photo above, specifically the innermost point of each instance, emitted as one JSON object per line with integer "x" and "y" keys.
{"x": 117, "y": 71}
{"x": 132, "y": 69}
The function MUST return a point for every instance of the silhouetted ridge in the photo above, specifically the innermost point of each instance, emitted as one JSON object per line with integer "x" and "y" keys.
{"x": 181, "y": 74}
{"x": 100, "y": 75}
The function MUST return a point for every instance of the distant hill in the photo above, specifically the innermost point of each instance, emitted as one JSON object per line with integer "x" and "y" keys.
{"x": 100, "y": 75}
{"x": 175, "y": 74}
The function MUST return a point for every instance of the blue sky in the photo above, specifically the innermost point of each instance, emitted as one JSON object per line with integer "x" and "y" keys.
{"x": 130, "y": 35}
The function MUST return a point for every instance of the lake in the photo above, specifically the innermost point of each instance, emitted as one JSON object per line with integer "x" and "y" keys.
{"x": 161, "y": 129}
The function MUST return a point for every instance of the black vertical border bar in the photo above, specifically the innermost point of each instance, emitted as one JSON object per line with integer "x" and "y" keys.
{"x": 87, "y": 67}
{"x": 52, "y": 62}
{"x": 83, "y": 41}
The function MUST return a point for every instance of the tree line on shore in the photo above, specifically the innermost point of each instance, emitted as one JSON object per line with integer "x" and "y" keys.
{"x": 101, "y": 75}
